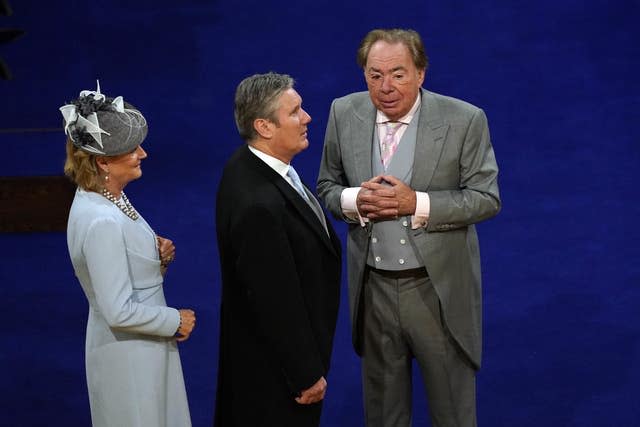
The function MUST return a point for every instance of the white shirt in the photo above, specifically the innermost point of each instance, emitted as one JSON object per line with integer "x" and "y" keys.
{"x": 349, "y": 195}
{"x": 276, "y": 164}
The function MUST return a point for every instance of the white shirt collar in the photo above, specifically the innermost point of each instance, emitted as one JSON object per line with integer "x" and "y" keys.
{"x": 382, "y": 118}
{"x": 276, "y": 164}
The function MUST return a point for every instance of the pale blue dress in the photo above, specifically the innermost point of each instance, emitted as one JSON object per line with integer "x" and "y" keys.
{"x": 133, "y": 367}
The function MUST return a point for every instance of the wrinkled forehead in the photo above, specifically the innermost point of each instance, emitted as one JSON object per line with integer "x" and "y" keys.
{"x": 388, "y": 56}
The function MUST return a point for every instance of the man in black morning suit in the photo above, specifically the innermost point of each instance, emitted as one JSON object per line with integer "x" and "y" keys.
{"x": 280, "y": 261}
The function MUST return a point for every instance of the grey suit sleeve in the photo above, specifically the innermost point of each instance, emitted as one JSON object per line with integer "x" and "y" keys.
{"x": 478, "y": 196}
{"x": 331, "y": 177}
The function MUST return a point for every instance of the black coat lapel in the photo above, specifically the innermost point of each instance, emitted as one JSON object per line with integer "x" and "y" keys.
{"x": 291, "y": 195}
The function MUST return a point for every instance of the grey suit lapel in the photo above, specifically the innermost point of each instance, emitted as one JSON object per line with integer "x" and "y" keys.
{"x": 431, "y": 136}
{"x": 363, "y": 126}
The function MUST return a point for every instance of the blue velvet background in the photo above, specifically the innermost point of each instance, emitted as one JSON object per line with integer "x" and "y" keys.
{"x": 558, "y": 81}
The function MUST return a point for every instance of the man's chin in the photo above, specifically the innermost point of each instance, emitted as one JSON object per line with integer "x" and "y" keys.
{"x": 391, "y": 111}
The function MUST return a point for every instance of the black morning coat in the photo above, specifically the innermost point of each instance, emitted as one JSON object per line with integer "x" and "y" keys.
{"x": 280, "y": 293}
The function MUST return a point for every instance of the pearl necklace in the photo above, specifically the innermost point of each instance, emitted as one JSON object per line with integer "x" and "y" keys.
{"x": 123, "y": 204}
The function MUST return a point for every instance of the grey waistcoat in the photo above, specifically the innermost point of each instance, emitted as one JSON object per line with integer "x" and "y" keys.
{"x": 390, "y": 247}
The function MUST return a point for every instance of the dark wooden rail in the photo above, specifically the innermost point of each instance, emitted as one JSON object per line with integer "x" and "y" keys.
{"x": 38, "y": 203}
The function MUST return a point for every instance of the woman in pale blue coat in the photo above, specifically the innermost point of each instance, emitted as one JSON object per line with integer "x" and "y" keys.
{"x": 133, "y": 367}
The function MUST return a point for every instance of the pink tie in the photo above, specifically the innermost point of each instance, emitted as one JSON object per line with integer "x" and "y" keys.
{"x": 389, "y": 143}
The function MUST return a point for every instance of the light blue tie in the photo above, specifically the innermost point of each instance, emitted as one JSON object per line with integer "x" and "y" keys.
{"x": 291, "y": 173}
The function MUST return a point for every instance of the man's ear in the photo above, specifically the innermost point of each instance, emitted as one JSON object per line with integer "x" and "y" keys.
{"x": 421, "y": 75}
{"x": 264, "y": 128}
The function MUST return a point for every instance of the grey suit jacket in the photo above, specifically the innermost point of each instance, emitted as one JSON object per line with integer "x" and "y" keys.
{"x": 455, "y": 164}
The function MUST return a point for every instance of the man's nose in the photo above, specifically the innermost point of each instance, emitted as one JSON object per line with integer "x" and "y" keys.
{"x": 387, "y": 85}
{"x": 306, "y": 118}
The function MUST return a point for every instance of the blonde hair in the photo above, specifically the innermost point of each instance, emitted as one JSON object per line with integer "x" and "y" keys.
{"x": 82, "y": 168}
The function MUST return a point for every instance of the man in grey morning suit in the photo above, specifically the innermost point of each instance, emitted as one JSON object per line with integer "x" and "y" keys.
{"x": 411, "y": 172}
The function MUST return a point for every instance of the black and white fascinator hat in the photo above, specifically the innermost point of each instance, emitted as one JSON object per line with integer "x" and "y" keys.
{"x": 101, "y": 125}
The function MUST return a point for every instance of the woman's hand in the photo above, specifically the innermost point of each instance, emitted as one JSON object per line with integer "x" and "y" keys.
{"x": 166, "y": 250}
{"x": 187, "y": 323}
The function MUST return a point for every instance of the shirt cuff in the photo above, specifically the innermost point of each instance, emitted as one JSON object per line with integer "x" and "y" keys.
{"x": 349, "y": 207}
{"x": 423, "y": 207}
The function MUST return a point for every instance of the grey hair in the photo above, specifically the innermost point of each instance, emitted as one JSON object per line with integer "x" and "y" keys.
{"x": 256, "y": 98}
{"x": 410, "y": 38}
